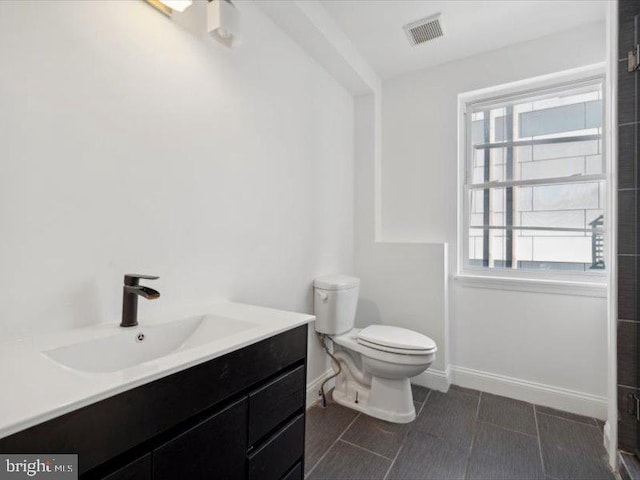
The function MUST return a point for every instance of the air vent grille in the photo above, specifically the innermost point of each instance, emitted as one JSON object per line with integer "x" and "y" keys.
{"x": 424, "y": 30}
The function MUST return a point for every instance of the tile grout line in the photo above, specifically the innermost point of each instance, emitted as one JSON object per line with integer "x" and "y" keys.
{"x": 501, "y": 427}
{"x": 467, "y": 393}
{"x": 423, "y": 404}
{"x": 363, "y": 448}
{"x": 473, "y": 438}
{"x": 332, "y": 445}
{"x": 535, "y": 416}
{"x": 393, "y": 462}
{"x": 478, "y": 407}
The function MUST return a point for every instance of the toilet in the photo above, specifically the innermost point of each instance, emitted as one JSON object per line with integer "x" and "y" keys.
{"x": 376, "y": 362}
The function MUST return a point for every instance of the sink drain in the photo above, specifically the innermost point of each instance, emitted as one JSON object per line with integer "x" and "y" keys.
{"x": 140, "y": 337}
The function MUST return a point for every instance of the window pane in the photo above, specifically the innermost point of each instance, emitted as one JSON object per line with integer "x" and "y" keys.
{"x": 560, "y": 167}
{"x": 567, "y": 149}
{"x": 568, "y": 206}
{"x": 533, "y": 162}
{"x": 555, "y": 224}
{"x": 558, "y": 251}
{"x": 572, "y": 196}
{"x": 553, "y": 119}
{"x": 550, "y": 137}
{"x": 542, "y": 250}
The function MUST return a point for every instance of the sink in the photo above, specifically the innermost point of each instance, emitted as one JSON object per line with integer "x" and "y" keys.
{"x": 133, "y": 346}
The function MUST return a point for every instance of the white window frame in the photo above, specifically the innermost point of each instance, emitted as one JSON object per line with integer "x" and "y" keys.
{"x": 584, "y": 283}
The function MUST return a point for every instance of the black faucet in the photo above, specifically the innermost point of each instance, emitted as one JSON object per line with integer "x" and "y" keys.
{"x": 130, "y": 294}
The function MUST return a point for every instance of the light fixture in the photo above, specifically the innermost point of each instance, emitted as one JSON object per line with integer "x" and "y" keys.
{"x": 169, "y": 6}
{"x": 223, "y": 21}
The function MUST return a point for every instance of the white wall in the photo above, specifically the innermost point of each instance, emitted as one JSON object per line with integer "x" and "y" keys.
{"x": 130, "y": 142}
{"x": 406, "y": 285}
{"x": 401, "y": 284}
{"x": 549, "y": 339}
{"x": 532, "y": 339}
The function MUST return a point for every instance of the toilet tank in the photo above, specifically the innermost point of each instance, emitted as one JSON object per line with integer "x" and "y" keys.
{"x": 335, "y": 299}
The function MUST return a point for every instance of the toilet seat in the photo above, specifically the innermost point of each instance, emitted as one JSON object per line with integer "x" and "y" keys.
{"x": 349, "y": 340}
{"x": 392, "y": 339}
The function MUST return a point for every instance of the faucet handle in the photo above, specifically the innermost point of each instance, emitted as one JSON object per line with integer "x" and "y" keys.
{"x": 133, "y": 279}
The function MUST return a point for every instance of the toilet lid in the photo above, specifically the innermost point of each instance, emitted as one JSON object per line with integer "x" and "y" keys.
{"x": 387, "y": 337}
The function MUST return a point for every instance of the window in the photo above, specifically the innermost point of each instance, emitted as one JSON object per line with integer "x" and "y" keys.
{"x": 534, "y": 180}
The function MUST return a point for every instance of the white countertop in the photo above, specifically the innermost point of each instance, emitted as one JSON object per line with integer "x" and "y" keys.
{"x": 36, "y": 389}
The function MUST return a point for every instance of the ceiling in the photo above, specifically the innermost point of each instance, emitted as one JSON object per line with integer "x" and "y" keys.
{"x": 470, "y": 27}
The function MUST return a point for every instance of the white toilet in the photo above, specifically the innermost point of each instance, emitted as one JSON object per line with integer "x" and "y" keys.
{"x": 377, "y": 361}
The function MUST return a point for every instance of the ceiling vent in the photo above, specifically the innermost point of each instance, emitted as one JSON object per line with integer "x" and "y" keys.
{"x": 424, "y": 30}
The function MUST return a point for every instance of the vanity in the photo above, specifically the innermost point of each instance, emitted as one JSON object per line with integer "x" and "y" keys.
{"x": 204, "y": 401}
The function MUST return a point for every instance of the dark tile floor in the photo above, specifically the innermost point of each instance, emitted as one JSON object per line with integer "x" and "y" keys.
{"x": 629, "y": 466}
{"x": 463, "y": 434}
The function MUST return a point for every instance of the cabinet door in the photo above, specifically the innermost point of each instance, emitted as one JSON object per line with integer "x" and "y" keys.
{"x": 213, "y": 449}
{"x": 139, "y": 469}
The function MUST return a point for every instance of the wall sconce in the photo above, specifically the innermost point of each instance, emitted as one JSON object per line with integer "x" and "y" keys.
{"x": 169, "y": 6}
{"x": 223, "y": 21}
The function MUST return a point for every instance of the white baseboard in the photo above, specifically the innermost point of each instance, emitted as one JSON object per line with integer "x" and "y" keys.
{"x": 540, "y": 394}
{"x": 606, "y": 437}
{"x": 433, "y": 379}
{"x": 313, "y": 387}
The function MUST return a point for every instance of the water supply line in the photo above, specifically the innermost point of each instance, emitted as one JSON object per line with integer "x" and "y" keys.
{"x": 322, "y": 337}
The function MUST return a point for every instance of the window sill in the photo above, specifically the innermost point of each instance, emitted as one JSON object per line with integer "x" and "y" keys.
{"x": 557, "y": 287}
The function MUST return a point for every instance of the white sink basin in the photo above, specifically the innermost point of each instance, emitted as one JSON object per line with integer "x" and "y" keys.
{"x": 133, "y": 346}
{"x": 59, "y": 372}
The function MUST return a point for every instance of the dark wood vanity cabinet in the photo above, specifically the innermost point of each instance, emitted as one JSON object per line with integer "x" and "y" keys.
{"x": 239, "y": 416}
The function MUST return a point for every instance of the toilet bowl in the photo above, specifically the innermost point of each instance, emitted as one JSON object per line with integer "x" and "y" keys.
{"x": 374, "y": 363}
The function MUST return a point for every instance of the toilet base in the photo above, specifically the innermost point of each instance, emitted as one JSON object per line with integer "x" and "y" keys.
{"x": 386, "y": 399}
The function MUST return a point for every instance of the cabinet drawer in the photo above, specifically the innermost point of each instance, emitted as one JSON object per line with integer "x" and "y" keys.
{"x": 139, "y": 469}
{"x": 273, "y": 459}
{"x": 295, "y": 473}
{"x": 275, "y": 402}
{"x": 215, "y": 448}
